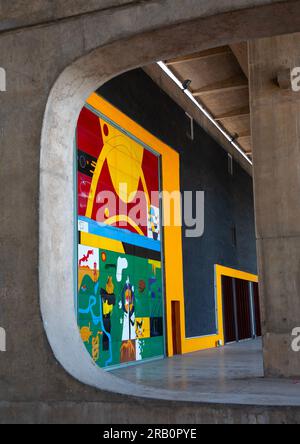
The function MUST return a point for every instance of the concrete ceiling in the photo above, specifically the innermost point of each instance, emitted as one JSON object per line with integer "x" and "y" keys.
{"x": 219, "y": 81}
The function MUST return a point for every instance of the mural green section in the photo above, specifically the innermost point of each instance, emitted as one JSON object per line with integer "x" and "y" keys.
{"x": 120, "y": 307}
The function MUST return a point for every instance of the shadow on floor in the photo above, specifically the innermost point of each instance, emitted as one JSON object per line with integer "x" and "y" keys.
{"x": 229, "y": 374}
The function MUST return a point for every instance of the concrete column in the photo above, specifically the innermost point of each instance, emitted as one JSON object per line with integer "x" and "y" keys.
{"x": 275, "y": 121}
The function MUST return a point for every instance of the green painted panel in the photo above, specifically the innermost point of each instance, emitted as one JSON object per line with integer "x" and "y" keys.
{"x": 111, "y": 335}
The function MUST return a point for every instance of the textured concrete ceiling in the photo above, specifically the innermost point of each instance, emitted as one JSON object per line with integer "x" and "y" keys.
{"x": 219, "y": 82}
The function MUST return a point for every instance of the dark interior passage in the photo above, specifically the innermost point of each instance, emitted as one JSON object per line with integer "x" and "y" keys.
{"x": 243, "y": 309}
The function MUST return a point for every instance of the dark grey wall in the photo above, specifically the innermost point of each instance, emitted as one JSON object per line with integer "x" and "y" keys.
{"x": 204, "y": 166}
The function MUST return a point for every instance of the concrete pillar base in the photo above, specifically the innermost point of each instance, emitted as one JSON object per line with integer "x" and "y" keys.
{"x": 275, "y": 124}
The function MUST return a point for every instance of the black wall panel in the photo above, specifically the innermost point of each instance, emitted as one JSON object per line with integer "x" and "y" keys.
{"x": 204, "y": 166}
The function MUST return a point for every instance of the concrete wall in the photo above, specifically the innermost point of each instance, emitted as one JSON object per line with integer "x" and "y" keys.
{"x": 204, "y": 166}
{"x": 33, "y": 385}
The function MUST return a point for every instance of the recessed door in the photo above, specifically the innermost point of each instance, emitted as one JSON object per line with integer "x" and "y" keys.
{"x": 176, "y": 328}
{"x": 229, "y": 310}
{"x": 241, "y": 317}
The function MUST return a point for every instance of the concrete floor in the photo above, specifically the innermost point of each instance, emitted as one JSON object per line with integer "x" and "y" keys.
{"x": 232, "y": 374}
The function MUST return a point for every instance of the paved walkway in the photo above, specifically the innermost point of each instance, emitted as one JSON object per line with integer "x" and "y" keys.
{"x": 232, "y": 374}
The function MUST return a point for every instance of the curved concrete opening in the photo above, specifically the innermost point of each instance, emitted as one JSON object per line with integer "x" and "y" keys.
{"x": 57, "y": 199}
{"x": 57, "y": 205}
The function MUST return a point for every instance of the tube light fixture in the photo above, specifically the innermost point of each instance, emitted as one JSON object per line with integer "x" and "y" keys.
{"x": 172, "y": 76}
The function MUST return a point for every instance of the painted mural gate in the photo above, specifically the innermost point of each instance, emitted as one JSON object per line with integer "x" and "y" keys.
{"x": 120, "y": 301}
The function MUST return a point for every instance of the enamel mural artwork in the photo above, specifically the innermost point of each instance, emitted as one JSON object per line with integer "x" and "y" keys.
{"x": 120, "y": 290}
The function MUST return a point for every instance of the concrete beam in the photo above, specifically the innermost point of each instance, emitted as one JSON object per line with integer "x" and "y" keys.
{"x": 233, "y": 114}
{"x": 16, "y": 15}
{"x": 166, "y": 84}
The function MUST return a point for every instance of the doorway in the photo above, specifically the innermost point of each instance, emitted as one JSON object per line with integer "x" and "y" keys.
{"x": 241, "y": 310}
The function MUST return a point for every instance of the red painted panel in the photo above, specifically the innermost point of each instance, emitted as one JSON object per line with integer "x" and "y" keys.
{"x": 91, "y": 141}
{"x": 89, "y": 135}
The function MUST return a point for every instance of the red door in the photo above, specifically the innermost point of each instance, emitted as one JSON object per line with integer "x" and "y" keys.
{"x": 243, "y": 308}
{"x": 229, "y": 310}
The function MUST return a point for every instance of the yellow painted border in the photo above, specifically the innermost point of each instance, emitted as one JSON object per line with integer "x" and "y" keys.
{"x": 172, "y": 234}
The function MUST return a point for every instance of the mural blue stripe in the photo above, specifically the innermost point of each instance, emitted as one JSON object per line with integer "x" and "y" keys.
{"x": 121, "y": 235}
